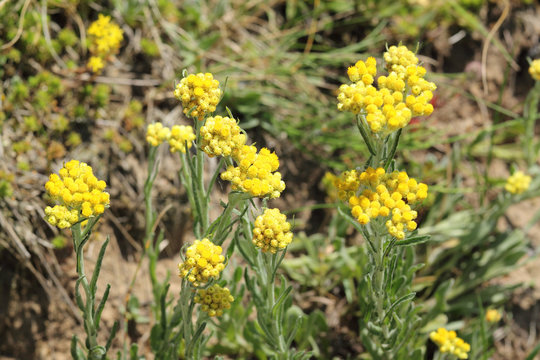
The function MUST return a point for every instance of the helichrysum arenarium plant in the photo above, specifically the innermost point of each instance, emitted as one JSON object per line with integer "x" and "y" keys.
{"x": 261, "y": 235}
{"x": 80, "y": 200}
{"x": 383, "y": 200}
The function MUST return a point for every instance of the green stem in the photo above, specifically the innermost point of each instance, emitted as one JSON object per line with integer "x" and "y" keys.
{"x": 531, "y": 117}
{"x": 88, "y": 310}
{"x": 270, "y": 263}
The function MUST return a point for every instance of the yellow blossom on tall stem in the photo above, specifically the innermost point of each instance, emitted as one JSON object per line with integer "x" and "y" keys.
{"x": 214, "y": 300}
{"x": 78, "y": 192}
{"x": 203, "y": 262}
{"x": 181, "y": 135}
{"x": 534, "y": 69}
{"x": 396, "y": 98}
{"x": 220, "y": 136}
{"x": 517, "y": 183}
{"x": 448, "y": 342}
{"x": 199, "y": 94}
{"x": 493, "y": 316}
{"x": 386, "y": 195}
{"x": 256, "y": 173}
{"x": 105, "y": 38}
{"x": 156, "y": 134}
{"x": 272, "y": 231}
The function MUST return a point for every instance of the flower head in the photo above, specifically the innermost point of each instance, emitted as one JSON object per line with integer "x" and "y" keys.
{"x": 256, "y": 173}
{"x": 387, "y": 195}
{"x": 220, "y": 136}
{"x": 157, "y": 133}
{"x": 493, "y": 316}
{"x": 448, "y": 342}
{"x": 534, "y": 69}
{"x": 396, "y": 98}
{"x": 105, "y": 36}
{"x": 96, "y": 64}
{"x": 518, "y": 183}
{"x": 214, "y": 300}
{"x": 199, "y": 94}
{"x": 272, "y": 231}
{"x": 180, "y": 135}
{"x": 78, "y": 193}
{"x": 203, "y": 262}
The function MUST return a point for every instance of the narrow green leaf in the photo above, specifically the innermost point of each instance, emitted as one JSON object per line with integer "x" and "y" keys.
{"x": 101, "y": 305}
{"x": 97, "y": 268}
{"x": 398, "y": 302}
{"x": 415, "y": 240}
{"x": 111, "y": 338}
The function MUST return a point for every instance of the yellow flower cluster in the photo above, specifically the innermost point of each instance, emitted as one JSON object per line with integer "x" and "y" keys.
{"x": 177, "y": 136}
{"x": 220, "y": 136}
{"x": 157, "y": 133}
{"x": 517, "y": 183}
{"x": 347, "y": 183}
{"x": 256, "y": 173}
{"x": 79, "y": 194}
{"x": 448, "y": 342}
{"x": 199, "y": 94}
{"x": 387, "y": 195}
{"x": 398, "y": 97}
{"x": 398, "y": 58}
{"x": 493, "y": 316}
{"x": 105, "y": 38}
{"x": 180, "y": 135}
{"x": 214, "y": 299}
{"x": 272, "y": 231}
{"x": 203, "y": 262}
{"x": 534, "y": 69}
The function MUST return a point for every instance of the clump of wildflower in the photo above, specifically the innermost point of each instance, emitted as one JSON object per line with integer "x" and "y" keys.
{"x": 78, "y": 192}
{"x": 399, "y": 96}
{"x": 214, "y": 300}
{"x": 398, "y": 58}
{"x": 256, "y": 173}
{"x": 517, "y": 183}
{"x": 347, "y": 183}
{"x": 199, "y": 94}
{"x": 272, "y": 231}
{"x": 105, "y": 38}
{"x": 96, "y": 64}
{"x": 448, "y": 342}
{"x": 179, "y": 136}
{"x": 388, "y": 195}
{"x": 220, "y": 136}
{"x": 157, "y": 133}
{"x": 203, "y": 262}
{"x": 493, "y": 316}
{"x": 534, "y": 69}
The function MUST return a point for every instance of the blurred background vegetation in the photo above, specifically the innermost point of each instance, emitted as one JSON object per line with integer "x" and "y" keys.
{"x": 281, "y": 62}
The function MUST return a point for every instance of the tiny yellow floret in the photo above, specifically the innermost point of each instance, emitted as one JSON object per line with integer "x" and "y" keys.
{"x": 493, "y": 316}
